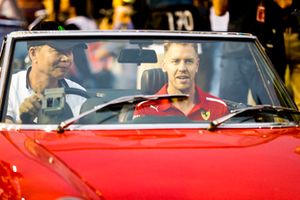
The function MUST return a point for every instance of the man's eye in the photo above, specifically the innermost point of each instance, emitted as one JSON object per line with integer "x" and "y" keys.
{"x": 54, "y": 52}
{"x": 189, "y": 61}
{"x": 176, "y": 61}
{"x": 58, "y": 52}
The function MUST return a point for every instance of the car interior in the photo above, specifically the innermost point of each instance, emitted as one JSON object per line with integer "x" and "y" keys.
{"x": 143, "y": 61}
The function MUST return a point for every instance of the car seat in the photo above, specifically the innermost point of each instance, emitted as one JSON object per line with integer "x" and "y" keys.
{"x": 152, "y": 80}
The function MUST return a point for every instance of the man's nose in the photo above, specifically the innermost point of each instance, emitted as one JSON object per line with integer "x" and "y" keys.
{"x": 182, "y": 66}
{"x": 65, "y": 57}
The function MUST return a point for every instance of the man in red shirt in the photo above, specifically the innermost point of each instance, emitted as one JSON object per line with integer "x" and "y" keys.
{"x": 181, "y": 64}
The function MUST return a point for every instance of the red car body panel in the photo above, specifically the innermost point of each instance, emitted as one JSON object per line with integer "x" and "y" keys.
{"x": 160, "y": 164}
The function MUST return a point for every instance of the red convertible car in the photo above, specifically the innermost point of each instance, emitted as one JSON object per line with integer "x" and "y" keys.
{"x": 144, "y": 115}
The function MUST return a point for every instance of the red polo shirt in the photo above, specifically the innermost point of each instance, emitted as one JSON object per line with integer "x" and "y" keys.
{"x": 207, "y": 107}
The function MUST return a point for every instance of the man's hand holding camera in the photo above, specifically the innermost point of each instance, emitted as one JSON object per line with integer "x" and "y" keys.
{"x": 30, "y": 108}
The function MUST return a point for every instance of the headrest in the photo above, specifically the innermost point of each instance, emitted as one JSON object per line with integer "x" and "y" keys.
{"x": 152, "y": 80}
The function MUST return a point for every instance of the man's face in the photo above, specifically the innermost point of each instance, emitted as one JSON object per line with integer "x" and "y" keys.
{"x": 50, "y": 61}
{"x": 181, "y": 64}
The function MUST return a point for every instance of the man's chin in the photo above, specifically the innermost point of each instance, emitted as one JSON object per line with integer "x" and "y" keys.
{"x": 61, "y": 71}
{"x": 184, "y": 90}
{"x": 184, "y": 86}
{"x": 60, "y": 75}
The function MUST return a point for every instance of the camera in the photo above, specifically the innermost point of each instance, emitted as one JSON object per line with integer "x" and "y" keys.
{"x": 53, "y": 102}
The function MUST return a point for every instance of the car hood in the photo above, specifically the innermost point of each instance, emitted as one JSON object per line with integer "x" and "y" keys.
{"x": 170, "y": 163}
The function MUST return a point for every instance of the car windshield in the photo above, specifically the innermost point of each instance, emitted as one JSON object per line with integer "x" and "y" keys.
{"x": 129, "y": 80}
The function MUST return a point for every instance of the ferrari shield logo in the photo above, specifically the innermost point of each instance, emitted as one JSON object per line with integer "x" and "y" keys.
{"x": 205, "y": 114}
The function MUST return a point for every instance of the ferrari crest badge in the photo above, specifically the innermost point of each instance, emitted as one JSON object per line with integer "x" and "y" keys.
{"x": 205, "y": 114}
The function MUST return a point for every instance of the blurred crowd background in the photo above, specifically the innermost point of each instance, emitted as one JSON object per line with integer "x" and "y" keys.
{"x": 276, "y": 23}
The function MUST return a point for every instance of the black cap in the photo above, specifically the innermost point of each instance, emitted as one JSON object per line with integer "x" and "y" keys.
{"x": 57, "y": 44}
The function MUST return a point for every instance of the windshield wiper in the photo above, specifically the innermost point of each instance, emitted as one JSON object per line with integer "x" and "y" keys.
{"x": 124, "y": 99}
{"x": 258, "y": 108}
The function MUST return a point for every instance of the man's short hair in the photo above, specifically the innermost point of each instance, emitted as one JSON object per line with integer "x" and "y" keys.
{"x": 168, "y": 44}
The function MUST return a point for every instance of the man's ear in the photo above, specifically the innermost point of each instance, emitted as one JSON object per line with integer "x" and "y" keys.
{"x": 32, "y": 53}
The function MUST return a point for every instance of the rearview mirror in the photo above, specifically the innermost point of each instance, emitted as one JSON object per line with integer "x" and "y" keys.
{"x": 137, "y": 56}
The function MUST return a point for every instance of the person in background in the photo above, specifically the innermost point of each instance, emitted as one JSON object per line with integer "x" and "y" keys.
{"x": 211, "y": 65}
{"x": 103, "y": 53}
{"x": 218, "y": 22}
{"x": 292, "y": 44}
{"x": 78, "y": 16}
{"x": 161, "y": 14}
{"x": 181, "y": 63}
{"x": 120, "y": 18}
{"x": 263, "y": 18}
{"x": 29, "y": 9}
{"x": 50, "y": 62}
